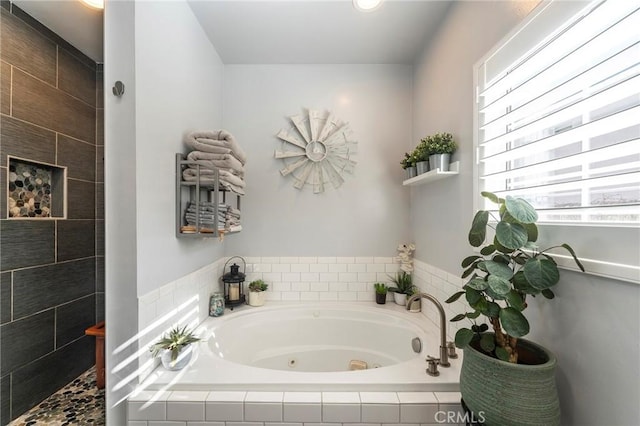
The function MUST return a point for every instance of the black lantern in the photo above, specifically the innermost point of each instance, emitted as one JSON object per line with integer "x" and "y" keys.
{"x": 233, "y": 280}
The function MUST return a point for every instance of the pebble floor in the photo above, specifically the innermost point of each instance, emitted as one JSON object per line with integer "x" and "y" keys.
{"x": 78, "y": 403}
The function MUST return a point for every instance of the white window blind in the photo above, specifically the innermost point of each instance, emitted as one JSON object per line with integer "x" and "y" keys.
{"x": 559, "y": 125}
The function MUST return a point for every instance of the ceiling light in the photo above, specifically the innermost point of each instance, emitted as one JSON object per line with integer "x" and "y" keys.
{"x": 95, "y": 4}
{"x": 366, "y": 5}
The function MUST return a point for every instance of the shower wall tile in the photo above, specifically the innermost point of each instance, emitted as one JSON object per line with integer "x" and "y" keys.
{"x": 3, "y": 192}
{"x": 78, "y": 156}
{"x": 100, "y": 126}
{"x": 99, "y": 307}
{"x": 100, "y": 163}
{"x": 76, "y": 78}
{"x": 21, "y": 139}
{"x": 26, "y": 48}
{"x": 5, "y": 400}
{"x": 100, "y": 274}
{"x": 30, "y": 339}
{"x": 76, "y": 239}
{"x": 72, "y": 319}
{"x": 26, "y": 243}
{"x": 44, "y": 105}
{"x": 99, "y": 201}
{"x": 99, "y": 237}
{"x": 39, "y": 379}
{"x": 35, "y": 289}
{"x": 5, "y": 297}
{"x": 99, "y": 86}
{"x": 5, "y": 88}
{"x": 81, "y": 202}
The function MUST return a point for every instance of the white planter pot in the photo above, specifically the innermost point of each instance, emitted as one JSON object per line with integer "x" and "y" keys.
{"x": 181, "y": 361}
{"x": 400, "y": 298}
{"x": 256, "y": 298}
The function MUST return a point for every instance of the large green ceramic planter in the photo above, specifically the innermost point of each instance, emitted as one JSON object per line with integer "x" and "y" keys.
{"x": 500, "y": 393}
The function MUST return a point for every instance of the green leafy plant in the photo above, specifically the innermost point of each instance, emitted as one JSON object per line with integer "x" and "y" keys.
{"x": 258, "y": 285}
{"x": 175, "y": 340}
{"x": 440, "y": 143}
{"x": 407, "y": 161}
{"x": 508, "y": 269}
{"x": 421, "y": 151}
{"x": 381, "y": 288}
{"x": 403, "y": 284}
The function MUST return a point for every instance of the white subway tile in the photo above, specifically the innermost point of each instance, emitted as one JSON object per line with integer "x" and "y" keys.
{"x": 300, "y": 286}
{"x": 253, "y": 396}
{"x": 309, "y": 295}
{"x": 346, "y": 413}
{"x": 290, "y": 295}
{"x": 383, "y": 413}
{"x": 382, "y": 277}
{"x": 224, "y": 410}
{"x": 303, "y": 397}
{"x": 186, "y": 410}
{"x": 350, "y": 296}
{"x": 418, "y": 413}
{"x": 375, "y": 267}
{"x": 308, "y": 260}
{"x": 226, "y": 396}
{"x": 356, "y": 287}
{"x": 309, "y": 276}
{"x": 337, "y": 267}
{"x": 273, "y": 295}
{"x": 302, "y": 412}
{"x": 327, "y": 260}
{"x": 289, "y": 260}
{"x": 328, "y": 295}
{"x": 248, "y": 259}
{"x": 346, "y": 277}
{"x": 281, "y": 267}
{"x": 205, "y": 423}
{"x": 345, "y": 259}
{"x": 338, "y": 286}
{"x": 357, "y": 267}
{"x": 382, "y": 259}
{"x": 328, "y": 276}
{"x": 263, "y": 267}
{"x": 146, "y": 410}
{"x": 301, "y": 267}
{"x": 391, "y": 268}
{"x": 417, "y": 398}
{"x": 319, "y": 267}
{"x": 448, "y": 397}
{"x": 366, "y": 295}
{"x": 291, "y": 276}
{"x": 263, "y": 411}
{"x": 281, "y": 286}
{"x": 271, "y": 277}
{"x": 166, "y": 423}
{"x": 270, "y": 260}
{"x": 139, "y": 423}
{"x": 321, "y": 286}
{"x": 367, "y": 277}
{"x": 364, "y": 259}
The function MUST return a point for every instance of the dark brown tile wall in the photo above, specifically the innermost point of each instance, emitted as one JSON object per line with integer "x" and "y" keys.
{"x": 51, "y": 270}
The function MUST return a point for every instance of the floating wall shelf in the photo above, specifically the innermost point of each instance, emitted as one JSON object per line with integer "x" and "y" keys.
{"x": 433, "y": 175}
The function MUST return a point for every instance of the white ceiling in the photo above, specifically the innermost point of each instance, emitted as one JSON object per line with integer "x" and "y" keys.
{"x": 276, "y": 31}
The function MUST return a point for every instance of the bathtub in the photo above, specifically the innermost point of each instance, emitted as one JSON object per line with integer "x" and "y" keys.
{"x": 316, "y": 346}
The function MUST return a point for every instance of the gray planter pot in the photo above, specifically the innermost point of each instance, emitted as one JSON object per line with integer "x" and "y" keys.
{"x": 439, "y": 161}
{"x": 183, "y": 358}
{"x": 410, "y": 172}
{"x": 501, "y": 393}
{"x": 422, "y": 167}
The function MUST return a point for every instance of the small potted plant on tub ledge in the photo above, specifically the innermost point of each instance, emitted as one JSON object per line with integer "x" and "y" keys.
{"x": 403, "y": 287}
{"x": 381, "y": 293}
{"x": 175, "y": 348}
{"x": 256, "y": 292}
{"x": 506, "y": 378}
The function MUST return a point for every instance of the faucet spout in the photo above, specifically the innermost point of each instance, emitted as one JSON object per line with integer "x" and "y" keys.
{"x": 444, "y": 356}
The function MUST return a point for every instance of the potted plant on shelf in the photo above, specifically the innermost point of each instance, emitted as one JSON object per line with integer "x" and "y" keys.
{"x": 256, "y": 292}
{"x": 403, "y": 287}
{"x": 421, "y": 154}
{"x": 175, "y": 348}
{"x": 381, "y": 293}
{"x": 408, "y": 165}
{"x": 506, "y": 378}
{"x": 440, "y": 147}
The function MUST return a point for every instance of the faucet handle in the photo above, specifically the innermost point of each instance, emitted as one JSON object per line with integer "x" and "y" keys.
{"x": 432, "y": 366}
{"x": 451, "y": 350}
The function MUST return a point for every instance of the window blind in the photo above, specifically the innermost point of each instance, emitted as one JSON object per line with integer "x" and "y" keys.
{"x": 560, "y": 125}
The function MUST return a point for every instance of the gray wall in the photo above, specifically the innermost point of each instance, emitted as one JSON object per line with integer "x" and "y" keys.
{"x": 593, "y": 324}
{"x": 52, "y": 271}
{"x": 367, "y": 215}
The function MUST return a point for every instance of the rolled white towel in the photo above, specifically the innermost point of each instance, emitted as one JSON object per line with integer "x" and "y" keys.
{"x": 206, "y": 141}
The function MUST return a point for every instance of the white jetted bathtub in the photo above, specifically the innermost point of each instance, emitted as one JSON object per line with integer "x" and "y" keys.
{"x": 320, "y": 346}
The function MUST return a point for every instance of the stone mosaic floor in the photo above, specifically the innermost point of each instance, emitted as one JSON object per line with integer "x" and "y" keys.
{"x": 78, "y": 403}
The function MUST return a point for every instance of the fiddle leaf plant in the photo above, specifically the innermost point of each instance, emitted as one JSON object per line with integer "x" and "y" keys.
{"x": 508, "y": 269}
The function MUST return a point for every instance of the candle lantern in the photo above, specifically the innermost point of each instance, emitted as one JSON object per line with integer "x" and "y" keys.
{"x": 233, "y": 280}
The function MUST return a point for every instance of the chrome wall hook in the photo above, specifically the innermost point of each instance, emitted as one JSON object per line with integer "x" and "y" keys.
{"x": 118, "y": 89}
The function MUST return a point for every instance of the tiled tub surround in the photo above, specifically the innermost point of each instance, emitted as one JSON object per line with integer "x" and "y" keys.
{"x": 51, "y": 270}
{"x": 239, "y": 408}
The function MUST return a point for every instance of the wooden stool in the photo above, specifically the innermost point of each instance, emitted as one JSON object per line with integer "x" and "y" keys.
{"x": 98, "y": 331}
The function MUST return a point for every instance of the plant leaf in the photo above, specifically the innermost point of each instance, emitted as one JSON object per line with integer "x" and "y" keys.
{"x": 541, "y": 273}
{"x": 472, "y": 295}
{"x": 463, "y": 338}
{"x": 520, "y": 209}
{"x": 469, "y": 270}
{"x": 473, "y": 315}
{"x": 469, "y": 260}
{"x": 493, "y": 310}
{"x": 487, "y": 342}
{"x": 487, "y": 250}
{"x": 458, "y": 317}
{"x": 515, "y": 300}
{"x": 478, "y": 284}
{"x": 455, "y": 296}
{"x": 511, "y": 235}
{"x": 573, "y": 254}
{"x": 532, "y": 231}
{"x": 548, "y": 293}
{"x": 478, "y": 230}
{"x": 502, "y": 354}
{"x": 499, "y": 247}
{"x": 493, "y": 197}
{"x": 498, "y": 269}
{"x": 513, "y": 322}
{"x": 499, "y": 285}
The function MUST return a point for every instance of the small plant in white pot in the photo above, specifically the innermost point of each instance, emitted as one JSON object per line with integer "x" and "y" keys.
{"x": 256, "y": 292}
{"x": 175, "y": 348}
{"x": 403, "y": 287}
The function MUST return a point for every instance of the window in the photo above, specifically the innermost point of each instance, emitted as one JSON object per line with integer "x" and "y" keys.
{"x": 558, "y": 124}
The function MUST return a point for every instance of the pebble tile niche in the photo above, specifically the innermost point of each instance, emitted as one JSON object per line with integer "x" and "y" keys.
{"x": 36, "y": 190}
